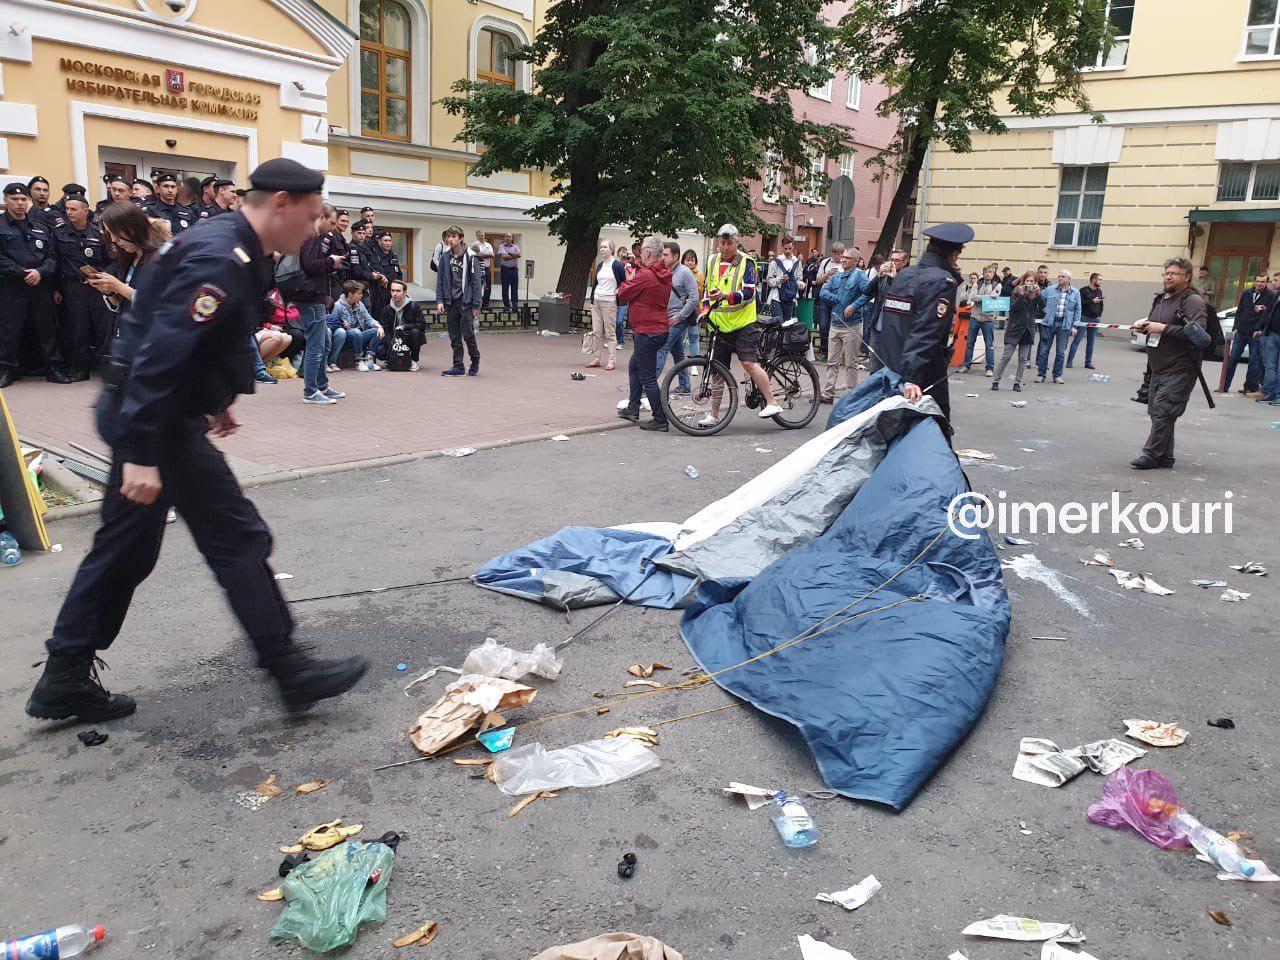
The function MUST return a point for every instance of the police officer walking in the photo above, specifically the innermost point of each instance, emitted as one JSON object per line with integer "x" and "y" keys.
{"x": 917, "y": 316}
{"x": 182, "y": 358}
{"x": 165, "y": 206}
{"x": 1177, "y": 331}
{"x": 27, "y": 276}
{"x": 85, "y": 321}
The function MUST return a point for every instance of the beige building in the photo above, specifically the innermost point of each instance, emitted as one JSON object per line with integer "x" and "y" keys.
{"x": 92, "y": 87}
{"x": 1186, "y": 163}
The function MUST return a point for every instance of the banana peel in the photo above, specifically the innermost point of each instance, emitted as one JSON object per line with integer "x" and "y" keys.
{"x": 528, "y": 800}
{"x": 268, "y": 788}
{"x": 271, "y": 896}
{"x": 645, "y": 670}
{"x": 324, "y": 836}
{"x": 646, "y": 735}
{"x": 643, "y": 683}
{"x": 421, "y": 937}
{"x": 311, "y": 786}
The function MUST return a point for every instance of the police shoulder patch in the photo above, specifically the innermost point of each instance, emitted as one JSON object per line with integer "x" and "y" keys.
{"x": 943, "y": 307}
{"x": 206, "y": 302}
{"x": 241, "y": 255}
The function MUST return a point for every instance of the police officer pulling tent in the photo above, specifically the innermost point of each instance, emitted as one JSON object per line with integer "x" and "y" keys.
{"x": 919, "y": 309}
{"x": 183, "y": 356}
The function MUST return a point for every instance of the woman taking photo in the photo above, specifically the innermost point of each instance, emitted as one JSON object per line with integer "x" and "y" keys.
{"x": 1019, "y": 333}
{"x": 136, "y": 240}
{"x": 607, "y": 277}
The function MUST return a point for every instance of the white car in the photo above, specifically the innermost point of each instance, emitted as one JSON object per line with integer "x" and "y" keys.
{"x": 1227, "y": 318}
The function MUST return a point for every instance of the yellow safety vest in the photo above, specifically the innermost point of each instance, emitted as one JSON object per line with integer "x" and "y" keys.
{"x": 727, "y": 318}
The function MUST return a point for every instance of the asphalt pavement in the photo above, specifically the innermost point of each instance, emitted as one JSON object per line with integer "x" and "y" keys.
{"x": 144, "y": 834}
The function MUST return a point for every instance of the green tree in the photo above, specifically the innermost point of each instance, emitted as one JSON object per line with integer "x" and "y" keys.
{"x": 949, "y": 64}
{"x": 654, "y": 114}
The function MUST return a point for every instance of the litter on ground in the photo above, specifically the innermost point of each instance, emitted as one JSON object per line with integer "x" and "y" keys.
{"x": 1155, "y": 733}
{"x": 1139, "y": 581}
{"x": 1206, "y": 584}
{"x": 1044, "y": 763}
{"x": 756, "y": 797}
{"x": 533, "y": 768}
{"x": 1233, "y": 596}
{"x": 1257, "y": 569}
{"x": 612, "y": 946}
{"x": 811, "y": 949}
{"x": 855, "y": 896}
{"x": 975, "y": 454}
{"x": 1134, "y": 543}
{"x": 1002, "y": 927}
{"x": 1100, "y": 558}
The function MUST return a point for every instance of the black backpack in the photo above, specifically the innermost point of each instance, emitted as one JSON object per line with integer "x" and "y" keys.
{"x": 1217, "y": 349}
{"x": 291, "y": 280}
{"x": 398, "y": 357}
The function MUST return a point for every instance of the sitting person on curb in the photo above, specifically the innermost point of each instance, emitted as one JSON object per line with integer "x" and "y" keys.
{"x": 404, "y": 317}
{"x": 274, "y": 337}
{"x": 459, "y": 292}
{"x": 352, "y": 327}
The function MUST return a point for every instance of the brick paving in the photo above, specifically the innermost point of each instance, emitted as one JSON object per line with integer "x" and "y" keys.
{"x": 523, "y": 390}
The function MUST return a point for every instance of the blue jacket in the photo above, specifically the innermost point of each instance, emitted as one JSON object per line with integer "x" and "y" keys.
{"x": 1072, "y": 314}
{"x": 842, "y": 291}
{"x": 472, "y": 280}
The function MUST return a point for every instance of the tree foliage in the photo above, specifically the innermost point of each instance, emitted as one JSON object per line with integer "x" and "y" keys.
{"x": 953, "y": 66}
{"x": 654, "y": 113}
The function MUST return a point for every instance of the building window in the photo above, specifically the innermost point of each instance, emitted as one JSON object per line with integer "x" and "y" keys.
{"x": 1249, "y": 181}
{"x": 854, "y": 100}
{"x": 494, "y": 60}
{"x": 846, "y": 165}
{"x": 1262, "y": 33}
{"x": 1079, "y": 219}
{"x": 816, "y": 181}
{"x": 823, "y": 92}
{"x": 385, "y": 63}
{"x": 1119, "y": 14}
{"x": 771, "y": 179}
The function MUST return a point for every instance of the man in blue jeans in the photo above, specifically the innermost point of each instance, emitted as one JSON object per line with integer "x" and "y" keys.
{"x": 319, "y": 261}
{"x": 1268, "y": 335}
{"x": 682, "y": 311}
{"x": 828, "y": 268}
{"x": 1251, "y": 312}
{"x": 1061, "y": 314}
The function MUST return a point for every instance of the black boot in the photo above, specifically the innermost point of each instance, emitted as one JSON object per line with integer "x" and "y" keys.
{"x": 70, "y": 688}
{"x": 303, "y": 679}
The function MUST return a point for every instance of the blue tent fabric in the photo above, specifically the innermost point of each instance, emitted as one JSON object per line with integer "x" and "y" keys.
{"x": 882, "y": 699}
{"x": 556, "y": 570}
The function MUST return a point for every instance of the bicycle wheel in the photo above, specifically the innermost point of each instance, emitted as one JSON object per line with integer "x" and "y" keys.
{"x": 795, "y": 389}
{"x": 711, "y": 387}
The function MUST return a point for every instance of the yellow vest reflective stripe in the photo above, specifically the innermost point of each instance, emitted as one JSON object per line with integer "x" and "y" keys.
{"x": 727, "y": 319}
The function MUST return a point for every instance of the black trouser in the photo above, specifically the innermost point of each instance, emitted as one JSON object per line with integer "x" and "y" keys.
{"x": 227, "y": 529}
{"x": 461, "y": 329}
{"x": 1167, "y": 396}
{"x": 414, "y": 337}
{"x": 510, "y": 287}
{"x": 487, "y": 277}
{"x": 26, "y": 315}
{"x": 85, "y": 326}
{"x": 643, "y": 371}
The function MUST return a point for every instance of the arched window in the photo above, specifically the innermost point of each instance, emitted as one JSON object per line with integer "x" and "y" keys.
{"x": 494, "y": 63}
{"x": 385, "y": 62}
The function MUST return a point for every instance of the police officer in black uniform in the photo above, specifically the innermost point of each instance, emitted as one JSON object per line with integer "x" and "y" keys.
{"x": 117, "y": 190}
{"x": 27, "y": 277}
{"x": 918, "y": 313}
{"x": 165, "y": 206}
{"x": 224, "y": 192}
{"x": 182, "y": 358}
{"x": 41, "y": 212}
{"x": 84, "y": 320}
{"x": 387, "y": 265}
{"x": 68, "y": 190}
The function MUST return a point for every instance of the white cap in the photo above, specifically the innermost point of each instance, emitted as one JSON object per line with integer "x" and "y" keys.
{"x": 727, "y": 230}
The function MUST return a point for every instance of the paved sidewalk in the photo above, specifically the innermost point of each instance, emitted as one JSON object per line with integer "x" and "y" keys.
{"x": 523, "y": 390}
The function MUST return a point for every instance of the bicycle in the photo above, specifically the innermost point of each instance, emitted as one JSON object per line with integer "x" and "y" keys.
{"x": 793, "y": 379}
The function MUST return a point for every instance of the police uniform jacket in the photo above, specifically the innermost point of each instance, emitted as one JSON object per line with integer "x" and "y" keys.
{"x": 178, "y": 215}
{"x": 386, "y": 263}
{"x": 184, "y": 348}
{"x": 78, "y": 248}
{"x": 24, "y": 245}
{"x": 47, "y": 217}
{"x": 916, "y": 319}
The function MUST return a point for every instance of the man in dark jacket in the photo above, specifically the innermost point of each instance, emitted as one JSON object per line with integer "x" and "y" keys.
{"x": 28, "y": 273}
{"x": 1090, "y": 312}
{"x": 402, "y": 320}
{"x": 1255, "y": 303}
{"x": 1177, "y": 332}
{"x": 918, "y": 313}
{"x": 459, "y": 292}
{"x": 319, "y": 262}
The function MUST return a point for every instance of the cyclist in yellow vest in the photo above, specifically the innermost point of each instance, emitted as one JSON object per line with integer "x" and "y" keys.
{"x": 731, "y": 297}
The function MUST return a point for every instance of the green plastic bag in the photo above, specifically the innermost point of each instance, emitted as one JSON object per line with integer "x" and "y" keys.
{"x": 328, "y": 898}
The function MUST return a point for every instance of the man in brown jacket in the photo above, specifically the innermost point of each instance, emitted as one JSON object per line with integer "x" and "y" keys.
{"x": 1177, "y": 333}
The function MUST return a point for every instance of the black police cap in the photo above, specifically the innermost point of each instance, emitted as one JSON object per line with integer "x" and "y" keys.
{"x": 364, "y": 210}
{"x": 956, "y": 234}
{"x": 220, "y": 183}
{"x": 113, "y": 178}
{"x": 207, "y": 182}
{"x": 16, "y": 189}
{"x": 37, "y": 179}
{"x": 70, "y": 189}
{"x": 165, "y": 178}
{"x": 287, "y": 175}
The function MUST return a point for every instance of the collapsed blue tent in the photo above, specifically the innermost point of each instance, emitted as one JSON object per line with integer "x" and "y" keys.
{"x": 880, "y": 698}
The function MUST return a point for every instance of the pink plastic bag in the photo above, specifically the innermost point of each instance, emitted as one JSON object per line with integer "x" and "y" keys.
{"x": 1142, "y": 800}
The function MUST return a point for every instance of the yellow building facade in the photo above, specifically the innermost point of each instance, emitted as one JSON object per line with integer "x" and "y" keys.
{"x": 1186, "y": 163}
{"x": 351, "y": 87}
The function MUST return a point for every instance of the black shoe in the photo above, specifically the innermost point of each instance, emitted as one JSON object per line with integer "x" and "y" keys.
{"x": 1145, "y": 462}
{"x": 6, "y": 378}
{"x": 626, "y": 414}
{"x": 303, "y": 680}
{"x": 475, "y": 369}
{"x": 57, "y": 376}
{"x": 79, "y": 376}
{"x": 452, "y": 372}
{"x": 1167, "y": 462}
{"x": 1090, "y": 366}
{"x": 1017, "y": 387}
{"x": 69, "y": 687}
{"x": 995, "y": 385}
{"x": 654, "y": 425}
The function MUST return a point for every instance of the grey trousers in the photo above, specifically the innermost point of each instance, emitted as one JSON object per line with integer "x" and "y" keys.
{"x": 1024, "y": 355}
{"x": 1166, "y": 402}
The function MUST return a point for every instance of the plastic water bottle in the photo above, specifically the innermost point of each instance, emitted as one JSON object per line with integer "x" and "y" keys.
{"x": 691, "y": 471}
{"x": 1100, "y": 378}
{"x": 10, "y": 552}
{"x": 1225, "y": 854}
{"x": 793, "y": 821}
{"x": 57, "y": 944}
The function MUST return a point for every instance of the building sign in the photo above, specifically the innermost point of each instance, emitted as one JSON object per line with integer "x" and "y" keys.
{"x": 173, "y": 90}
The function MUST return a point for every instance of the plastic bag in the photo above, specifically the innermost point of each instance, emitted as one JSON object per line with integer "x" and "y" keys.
{"x": 531, "y": 768}
{"x": 494, "y": 659}
{"x": 1141, "y": 800}
{"x": 329, "y": 897}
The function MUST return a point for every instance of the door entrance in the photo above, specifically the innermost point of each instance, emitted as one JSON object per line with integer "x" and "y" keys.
{"x": 127, "y": 170}
{"x": 1237, "y": 253}
{"x": 131, "y": 163}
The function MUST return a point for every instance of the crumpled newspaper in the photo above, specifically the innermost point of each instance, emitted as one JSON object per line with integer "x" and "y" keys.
{"x": 1252, "y": 566}
{"x": 1139, "y": 581}
{"x": 811, "y": 949}
{"x": 1133, "y": 542}
{"x": 1002, "y": 927}
{"x": 1233, "y": 596}
{"x": 855, "y": 896}
{"x": 1044, "y": 763}
{"x": 1155, "y": 733}
{"x": 756, "y": 797}
{"x": 1100, "y": 558}
{"x": 463, "y": 707}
